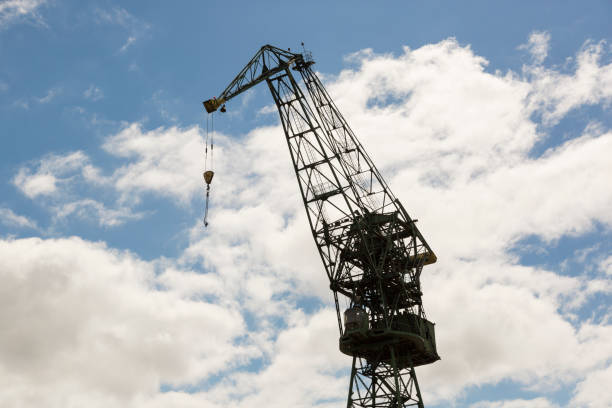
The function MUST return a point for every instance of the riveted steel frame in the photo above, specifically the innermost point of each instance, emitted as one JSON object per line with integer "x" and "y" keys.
{"x": 371, "y": 249}
{"x": 268, "y": 61}
{"x": 376, "y": 384}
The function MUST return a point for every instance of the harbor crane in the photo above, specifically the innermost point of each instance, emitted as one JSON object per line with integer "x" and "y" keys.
{"x": 372, "y": 251}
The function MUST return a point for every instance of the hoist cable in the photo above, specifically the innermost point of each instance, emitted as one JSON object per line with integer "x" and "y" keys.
{"x": 212, "y": 138}
{"x": 206, "y": 209}
{"x": 206, "y": 146}
{"x": 209, "y": 136}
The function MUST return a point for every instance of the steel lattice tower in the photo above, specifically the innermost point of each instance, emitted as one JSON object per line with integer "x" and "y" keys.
{"x": 371, "y": 249}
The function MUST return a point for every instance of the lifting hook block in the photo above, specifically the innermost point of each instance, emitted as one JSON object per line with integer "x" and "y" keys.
{"x": 208, "y": 176}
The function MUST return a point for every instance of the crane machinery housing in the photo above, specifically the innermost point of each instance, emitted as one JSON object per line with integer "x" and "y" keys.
{"x": 371, "y": 249}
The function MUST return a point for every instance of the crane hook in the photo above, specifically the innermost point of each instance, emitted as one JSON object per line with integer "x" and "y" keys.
{"x": 208, "y": 176}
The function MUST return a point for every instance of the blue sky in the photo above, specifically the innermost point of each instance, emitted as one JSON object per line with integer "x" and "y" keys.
{"x": 491, "y": 122}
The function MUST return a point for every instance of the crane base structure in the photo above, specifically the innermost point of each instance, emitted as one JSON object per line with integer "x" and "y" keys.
{"x": 371, "y": 249}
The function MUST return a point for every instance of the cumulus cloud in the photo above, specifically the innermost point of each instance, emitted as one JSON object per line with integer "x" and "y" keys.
{"x": 102, "y": 319}
{"x": 62, "y": 180}
{"x": 523, "y": 307}
{"x": 594, "y": 391}
{"x": 163, "y": 161}
{"x": 454, "y": 142}
{"x": 302, "y": 370}
{"x": 49, "y": 173}
{"x": 555, "y": 93}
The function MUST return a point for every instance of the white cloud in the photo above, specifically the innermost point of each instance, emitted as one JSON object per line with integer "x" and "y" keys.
{"x": 511, "y": 326}
{"x": 241, "y": 103}
{"x": 117, "y": 15}
{"x": 93, "y": 93}
{"x": 595, "y": 391}
{"x": 135, "y": 27}
{"x": 165, "y": 106}
{"x": 3, "y": 86}
{"x": 606, "y": 265}
{"x": 131, "y": 40}
{"x": 49, "y": 173}
{"x": 457, "y": 133}
{"x": 454, "y": 143}
{"x": 35, "y": 185}
{"x": 168, "y": 162}
{"x": 63, "y": 180}
{"x": 538, "y": 46}
{"x": 554, "y": 93}
{"x": 9, "y": 218}
{"x": 302, "y": 370}
{"x": 49, "y": 96}
{"x": 88, "y": 209}
{"x": 267, "y": 110}
{"x": 456, "y": 150}
{"x": 13, "y": 10}
{"x": 519, "y": 403}
{"x": 95, "y": 315}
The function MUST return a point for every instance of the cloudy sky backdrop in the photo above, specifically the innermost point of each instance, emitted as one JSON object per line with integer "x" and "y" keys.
{"x": 492, "y": 124}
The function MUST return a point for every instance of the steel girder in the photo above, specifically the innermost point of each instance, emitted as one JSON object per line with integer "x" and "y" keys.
{"x": 371, "y": 249}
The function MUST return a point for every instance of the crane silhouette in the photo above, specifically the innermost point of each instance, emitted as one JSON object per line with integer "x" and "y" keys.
{"x": 372, "y": 250}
